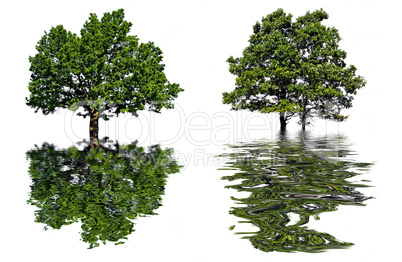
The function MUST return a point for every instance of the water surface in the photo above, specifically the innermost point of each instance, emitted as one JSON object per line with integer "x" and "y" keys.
{"x": 289, "y": 178}
{"x": 104, "y": 189}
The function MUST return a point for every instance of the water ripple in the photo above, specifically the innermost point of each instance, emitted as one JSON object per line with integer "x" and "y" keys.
{"x": 303, "y": 178}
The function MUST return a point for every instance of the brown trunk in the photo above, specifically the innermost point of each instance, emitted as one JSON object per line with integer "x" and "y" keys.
{"x": 282, "y": 121}
{"x": 94, "y": 127}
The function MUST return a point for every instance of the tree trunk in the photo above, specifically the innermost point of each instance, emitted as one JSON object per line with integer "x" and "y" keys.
{"x": 304, "y": 114}
{"x": 94, "y": 127}
{"x": 283, "y": 121}
{"x": 303, "y": 121}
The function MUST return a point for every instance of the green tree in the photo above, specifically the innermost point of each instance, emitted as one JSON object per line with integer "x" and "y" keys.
{"x": 295, "y": 68}
{"x": 102, "y": 72}
{"x": 104, "y": 188}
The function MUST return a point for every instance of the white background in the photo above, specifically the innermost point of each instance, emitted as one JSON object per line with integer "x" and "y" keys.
{"x": 197, "y": 37}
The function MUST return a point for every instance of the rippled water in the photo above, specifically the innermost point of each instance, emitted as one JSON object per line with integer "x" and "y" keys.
{"x": 293, "y": 177}
{"x": 104, "y": 189}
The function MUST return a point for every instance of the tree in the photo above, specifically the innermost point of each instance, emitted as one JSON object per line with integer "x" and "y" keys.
{"x": 295, "y": 68}
{"x": 104, "y": 188}
{"x": 102, "y": 72}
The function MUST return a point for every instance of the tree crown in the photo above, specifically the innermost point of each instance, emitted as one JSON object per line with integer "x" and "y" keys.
{"x": 295, "y": 67}
{"x": 103, "y": 68}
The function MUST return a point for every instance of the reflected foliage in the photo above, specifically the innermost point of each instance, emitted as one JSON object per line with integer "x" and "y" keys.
{"x": 288, "y": 179}
{"x": 103, "y": 188}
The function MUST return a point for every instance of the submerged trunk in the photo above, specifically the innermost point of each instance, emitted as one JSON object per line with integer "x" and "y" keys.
{"x": 304, "y": 114}
{"x": 283, "y": 121}
{"x": 303, "y": 123}
{"x": 94, "y": 127}
{"x": 303, "y": 120}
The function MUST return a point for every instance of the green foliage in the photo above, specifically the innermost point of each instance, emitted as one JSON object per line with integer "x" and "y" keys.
{"x": 291, "y": 178}
{"x": 294, "y": 67}
{"x": 104, "y": 69}
{"x": 103, "y": 188}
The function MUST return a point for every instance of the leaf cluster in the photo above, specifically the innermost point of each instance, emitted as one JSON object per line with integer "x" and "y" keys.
{"x": 295, "y": 67}
{"x": 103, "y": 68}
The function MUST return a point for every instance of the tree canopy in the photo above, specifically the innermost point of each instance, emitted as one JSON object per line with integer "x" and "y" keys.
{"x": 295, "y": 68}
{"x": 104, "y": 188}
{"x": 103, "y": 71}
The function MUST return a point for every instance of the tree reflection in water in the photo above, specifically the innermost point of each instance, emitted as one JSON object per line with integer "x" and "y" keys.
{"x": 286, "y": 178}
{"x": 103, "y": 188}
